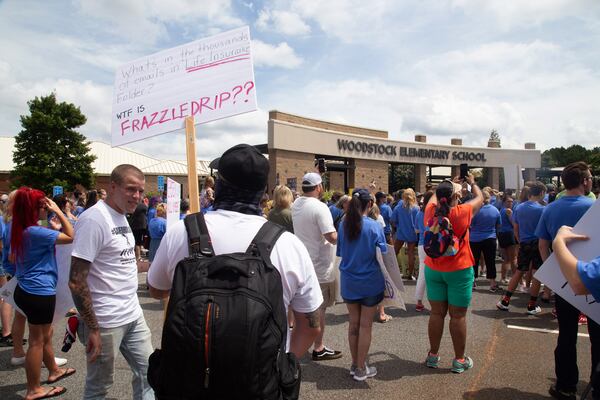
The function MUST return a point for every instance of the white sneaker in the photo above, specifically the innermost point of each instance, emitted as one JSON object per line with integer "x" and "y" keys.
{"x": 17, "y": 361}
{"x": 534, "y": 311}
{"x": 362, "y": 374}
{"x": 59, "y": 361}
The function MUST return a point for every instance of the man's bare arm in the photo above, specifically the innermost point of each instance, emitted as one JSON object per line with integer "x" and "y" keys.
{"x": 81, "y": 292}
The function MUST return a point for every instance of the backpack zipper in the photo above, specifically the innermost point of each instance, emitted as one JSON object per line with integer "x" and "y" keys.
{"x": 207, "y": 338}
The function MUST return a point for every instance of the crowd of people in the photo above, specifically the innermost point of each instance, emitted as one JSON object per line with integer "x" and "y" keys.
{"x": 109, "y": 232}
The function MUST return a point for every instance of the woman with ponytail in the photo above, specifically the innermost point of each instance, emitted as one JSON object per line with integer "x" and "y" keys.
{"x": 362, "y": 283}
{"x": 32, "y": 249}
{"x": 449, "y": 278}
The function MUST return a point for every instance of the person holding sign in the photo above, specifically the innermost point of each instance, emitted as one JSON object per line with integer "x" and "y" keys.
{"x": 567, "y": 210}
{"x": 450, "y": 277}
{"x": 362, "y": 282}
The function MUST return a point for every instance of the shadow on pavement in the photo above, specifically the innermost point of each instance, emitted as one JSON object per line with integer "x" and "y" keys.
{"x": 389, "y": 368}
{"x": 9, "y": 392}
{"x": 152, "y": 306}
{"x": 502, "y": 394}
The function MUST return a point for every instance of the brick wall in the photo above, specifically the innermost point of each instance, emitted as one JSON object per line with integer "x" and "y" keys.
{"x": 367, "y": 170}
{"x": 336, "y": 180}
{"x": 289, "y": 165}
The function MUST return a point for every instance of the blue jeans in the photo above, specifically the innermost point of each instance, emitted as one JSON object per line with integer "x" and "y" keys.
{"x": 133, "y": 340}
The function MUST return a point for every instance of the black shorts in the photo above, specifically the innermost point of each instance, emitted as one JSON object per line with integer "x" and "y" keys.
{"x": 370, "y": 301}
{"x": 39, "y": 310}
{"x": 529, "y": 253}
{"x": 138, "y": 235}
{"x": 506, "y": 239}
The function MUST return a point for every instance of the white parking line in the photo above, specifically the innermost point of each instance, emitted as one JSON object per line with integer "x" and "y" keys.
{"x": 541, "y": 330}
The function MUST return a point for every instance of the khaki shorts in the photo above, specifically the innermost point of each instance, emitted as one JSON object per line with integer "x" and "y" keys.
{"x": 328, "y": 289}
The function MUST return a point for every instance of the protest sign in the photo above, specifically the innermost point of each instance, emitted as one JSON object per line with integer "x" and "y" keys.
{"x": 57, "y": 191}
{"x": 173, "y": 202}
{"x": 160, "y": 183}
{"x": 208, "y": 79}
{"x": 550, "y": 275}
{"x": 393, "y": 280}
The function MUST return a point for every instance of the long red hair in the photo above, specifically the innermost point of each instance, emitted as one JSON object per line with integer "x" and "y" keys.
{"x": 26, "y": 212}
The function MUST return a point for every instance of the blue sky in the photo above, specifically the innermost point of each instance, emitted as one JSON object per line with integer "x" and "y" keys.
{"x": 444, "y": 68}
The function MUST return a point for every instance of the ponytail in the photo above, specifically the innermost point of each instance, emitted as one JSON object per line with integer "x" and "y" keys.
{"x": 444, "y": 194}
{"x": 353, "y": 219}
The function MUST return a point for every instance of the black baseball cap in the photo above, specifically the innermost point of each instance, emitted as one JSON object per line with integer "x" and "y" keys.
{"x": 245, "y": 167}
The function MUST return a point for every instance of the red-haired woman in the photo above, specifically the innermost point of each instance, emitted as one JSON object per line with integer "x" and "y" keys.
{"x": 32, "y": 248}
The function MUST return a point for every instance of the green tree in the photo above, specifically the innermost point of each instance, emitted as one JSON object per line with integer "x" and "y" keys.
{"x": 401, "y": 176}
{"x": 49, "y": 151}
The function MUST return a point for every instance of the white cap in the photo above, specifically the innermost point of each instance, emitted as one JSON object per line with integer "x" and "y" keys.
{"x": 311, "y": 179}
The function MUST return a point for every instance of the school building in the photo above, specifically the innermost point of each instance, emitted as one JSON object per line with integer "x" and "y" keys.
{"x": 359, "y": 157}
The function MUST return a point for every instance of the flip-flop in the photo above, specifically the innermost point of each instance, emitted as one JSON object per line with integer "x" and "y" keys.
{"x": 68, "y": 372}
{"x": 52, "y": 392}
{"x": 385, "y": 319}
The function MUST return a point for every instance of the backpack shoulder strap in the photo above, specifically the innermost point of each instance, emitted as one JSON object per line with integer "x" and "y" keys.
{"x": 198, "y": 237}
{"x": 264, "y": 241}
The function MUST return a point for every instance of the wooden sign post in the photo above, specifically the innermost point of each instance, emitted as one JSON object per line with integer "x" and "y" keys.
{"x": 190, "y": 148}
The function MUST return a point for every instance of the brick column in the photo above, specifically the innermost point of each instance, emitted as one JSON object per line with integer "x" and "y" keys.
{"x": 455, "y": 168}
{"x": 420, "y": 169}
{"x": 494, "y": 172}
{"x": 530, "y": 172}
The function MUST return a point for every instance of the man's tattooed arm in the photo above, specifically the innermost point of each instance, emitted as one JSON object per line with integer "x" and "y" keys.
{"x": 313, "y": 318}
{"x": 81, "y": 292}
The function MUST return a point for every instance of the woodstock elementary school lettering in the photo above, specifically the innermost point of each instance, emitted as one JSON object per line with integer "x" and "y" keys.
{"x": 391, "y": 150}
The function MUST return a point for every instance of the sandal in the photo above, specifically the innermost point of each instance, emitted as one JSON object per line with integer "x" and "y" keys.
{"x": 385, "y": 319}
{"x": 53, "y": 391}
{"x": 67, "y": 372}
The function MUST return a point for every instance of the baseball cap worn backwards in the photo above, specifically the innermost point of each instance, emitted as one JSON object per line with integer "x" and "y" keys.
{"x": 362, "y": 194}
{"x": 311, "y": 179}
{"x": 245, "y": 167}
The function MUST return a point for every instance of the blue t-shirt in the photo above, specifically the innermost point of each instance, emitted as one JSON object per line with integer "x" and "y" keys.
{"x": 359, "y": 270}
{"x": 157, "y": 228}
{"x": 9, "y": 267}
{"x": 505, "y": 222}
{"x": 335, "y": 212}
{"x": 37, "y": 272}
{"x": 78, "y": 210}
{"x": 527, "y": 215}
{"x": 151, "y": 214}
{"x": 483, "y": 224}
{"x": 404, "y": 220}
{"x": 386, "y": 212}
{"x": 565, "y": 211}
{"x": 589, "y": 272}
{"x": 420, "y": 226}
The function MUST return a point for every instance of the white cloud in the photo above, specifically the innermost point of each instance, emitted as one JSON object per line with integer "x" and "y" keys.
{"x": 281, "y": 55}
{"x": 146, "y": 21}
{"x": 509, "y": 14}
{"x": 284, "y": 22}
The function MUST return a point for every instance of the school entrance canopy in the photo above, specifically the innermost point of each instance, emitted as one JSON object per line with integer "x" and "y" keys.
{"x": 359, "y": 157}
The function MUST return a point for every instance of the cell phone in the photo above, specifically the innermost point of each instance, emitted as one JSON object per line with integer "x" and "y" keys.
{"x": 321, "y": 165}
{"x": 464, "y": 171}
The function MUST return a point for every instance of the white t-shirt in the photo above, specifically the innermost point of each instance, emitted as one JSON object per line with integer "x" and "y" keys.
{"x": 312, "y": 219}
{"x": 381, "y": 221}
{"x": 104, "y": 238}
{"x": 231, "y": 232}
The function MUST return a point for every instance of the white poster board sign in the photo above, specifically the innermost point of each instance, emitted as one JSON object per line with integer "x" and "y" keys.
{"x": 208, "y": 79}
{"x": 550, "y": 275}
{"x": 513, "y": 178}
{"x": 173, "y": 202}
{"x": 393, "y": 280}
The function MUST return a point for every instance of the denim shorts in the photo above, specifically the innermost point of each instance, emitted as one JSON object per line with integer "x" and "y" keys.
{"x": 370, "y": 301}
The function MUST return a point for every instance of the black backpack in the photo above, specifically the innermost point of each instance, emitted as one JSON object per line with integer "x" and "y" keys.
{"x": 225, "y": 329}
